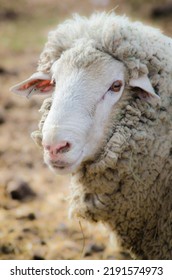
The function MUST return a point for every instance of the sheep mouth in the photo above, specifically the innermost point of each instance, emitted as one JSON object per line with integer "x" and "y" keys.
{"x": 63, "y": 167}
{"x": 60, "y": 165}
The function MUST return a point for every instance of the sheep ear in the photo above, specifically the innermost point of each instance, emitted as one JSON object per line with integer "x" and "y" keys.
{"x": 38, "y": 84}
{"x": 148, "y": 93}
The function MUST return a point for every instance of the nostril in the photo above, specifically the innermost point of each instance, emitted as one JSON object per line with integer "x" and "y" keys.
{"x": 62, "y": 147}
{"x": 54, "y": 150}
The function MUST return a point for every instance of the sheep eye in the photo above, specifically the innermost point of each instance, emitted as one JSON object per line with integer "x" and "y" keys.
{"x": 116, "y": 86}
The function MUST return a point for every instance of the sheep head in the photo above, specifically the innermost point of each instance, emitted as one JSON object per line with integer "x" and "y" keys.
{"x": 85, "y": 85}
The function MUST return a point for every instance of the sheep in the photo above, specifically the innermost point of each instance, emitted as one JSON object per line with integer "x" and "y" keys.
{"x": 108, "y": 122}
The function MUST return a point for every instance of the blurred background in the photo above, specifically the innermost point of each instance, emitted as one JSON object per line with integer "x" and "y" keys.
{"x": 34, "y": 221}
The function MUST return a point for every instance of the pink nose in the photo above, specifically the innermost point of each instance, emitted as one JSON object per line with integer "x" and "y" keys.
{"x": 54, "y": 150}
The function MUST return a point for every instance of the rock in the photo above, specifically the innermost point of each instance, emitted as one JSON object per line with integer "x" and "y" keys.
{"x": 27, "y": 230}
{"x": 31, "y": 217}
{"x": 9, "y": 14}
{"x": 4, "y": 71}
{"x": 6, "y": 249}
{"x": 2, "y": 117}
{"x": 9, "y": 104}
{"x": 162, "y": 11}
{"x": 93, "y": 248}
{"x": 29, "y": 164}
{"x": 38, "y": 257}
{"x": 20, "y": 190}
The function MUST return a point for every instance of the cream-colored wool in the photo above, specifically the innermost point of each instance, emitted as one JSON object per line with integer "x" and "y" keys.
{"x": 128, "y": 184}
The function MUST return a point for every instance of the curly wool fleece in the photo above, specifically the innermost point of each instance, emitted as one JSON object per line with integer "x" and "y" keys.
{"x": 128, "y": 184}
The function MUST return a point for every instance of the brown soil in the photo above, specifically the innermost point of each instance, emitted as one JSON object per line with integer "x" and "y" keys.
{"x": 33, "y": 201}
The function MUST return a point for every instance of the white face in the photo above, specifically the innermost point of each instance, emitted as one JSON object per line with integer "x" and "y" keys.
{"x": 82, "y": 103}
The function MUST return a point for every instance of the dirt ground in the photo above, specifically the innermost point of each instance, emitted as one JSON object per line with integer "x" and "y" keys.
{"x": 34, "y": 221}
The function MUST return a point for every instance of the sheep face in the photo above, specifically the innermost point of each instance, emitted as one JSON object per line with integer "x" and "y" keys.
{"x": 85, "y": 85}
{"x": 83, "y": 98}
